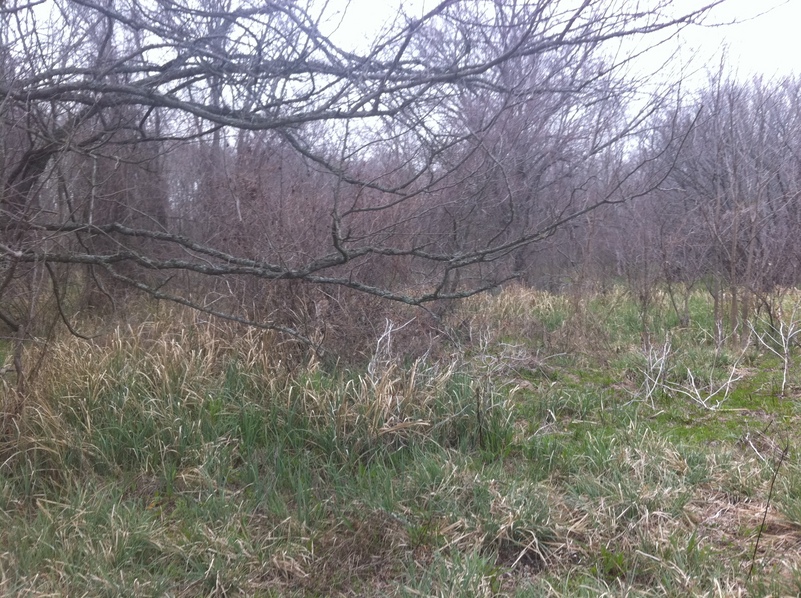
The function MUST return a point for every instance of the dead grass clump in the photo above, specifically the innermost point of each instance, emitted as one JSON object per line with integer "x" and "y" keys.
{"x": 544, "y": 324}
{"x": 169, "y": 352}
{"x": 582, "y": 336}
{"x": 165, "y": 365}
{"x": 393, "y": 406}
{"x": 516, "y": 312}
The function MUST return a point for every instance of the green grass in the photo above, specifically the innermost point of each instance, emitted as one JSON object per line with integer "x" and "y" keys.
{"x": 183, "y": 460}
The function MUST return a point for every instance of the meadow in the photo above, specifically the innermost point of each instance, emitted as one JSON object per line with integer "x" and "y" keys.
{"x": 543, "y": 447}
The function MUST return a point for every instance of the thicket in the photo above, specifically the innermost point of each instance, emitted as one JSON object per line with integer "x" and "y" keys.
{"x": 250, "y": 162}
{"x": 232, "y": 249}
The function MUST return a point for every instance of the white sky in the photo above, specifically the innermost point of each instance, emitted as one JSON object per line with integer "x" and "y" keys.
{"x": 766, "y": 39}
{"x": 760, "y": 36}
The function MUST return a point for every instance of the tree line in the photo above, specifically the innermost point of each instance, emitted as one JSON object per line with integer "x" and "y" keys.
{"x": 234, "y": 156}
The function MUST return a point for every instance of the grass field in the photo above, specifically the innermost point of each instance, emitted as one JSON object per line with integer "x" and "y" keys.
{"x": 542, "y": 451}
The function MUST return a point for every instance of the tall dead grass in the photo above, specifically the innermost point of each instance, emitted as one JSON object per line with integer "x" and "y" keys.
{"x": 176, "y": 361}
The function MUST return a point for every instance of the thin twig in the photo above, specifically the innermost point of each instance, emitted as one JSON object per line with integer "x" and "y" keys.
{"x": 767, "y": 506}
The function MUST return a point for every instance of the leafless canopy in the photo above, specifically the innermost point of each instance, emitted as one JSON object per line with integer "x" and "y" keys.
{"x": 154, "y": 143}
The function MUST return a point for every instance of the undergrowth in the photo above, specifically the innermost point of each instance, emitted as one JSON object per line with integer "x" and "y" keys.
{"x": 540, "y": 454}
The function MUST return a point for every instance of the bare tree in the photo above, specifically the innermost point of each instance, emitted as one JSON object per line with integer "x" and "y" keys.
{"x": 736, "y": 181}
{"x": 443, "y": 150}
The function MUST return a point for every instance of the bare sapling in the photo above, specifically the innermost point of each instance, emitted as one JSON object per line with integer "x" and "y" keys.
{"x": 384, "y": 358}
{"x": 656, "y": 367}
{"x": 709, "y": 393}
{"x": 780, "y": 338}
{"x": 712, "y": 395}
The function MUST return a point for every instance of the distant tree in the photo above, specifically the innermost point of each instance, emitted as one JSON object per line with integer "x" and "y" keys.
{"x": 736, "y": 187}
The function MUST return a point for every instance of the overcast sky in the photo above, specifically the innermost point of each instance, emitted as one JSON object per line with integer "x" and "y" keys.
{"x": 763, "y": 39}
{"x": 768, "y": 44}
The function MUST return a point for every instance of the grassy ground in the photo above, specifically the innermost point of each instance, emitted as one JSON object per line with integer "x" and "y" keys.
{"x": 542, "y": 452}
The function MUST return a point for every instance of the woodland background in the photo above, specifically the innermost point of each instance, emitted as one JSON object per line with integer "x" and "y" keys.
{"x": 233, "y": 157}
{"x": 469, "y": 305}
